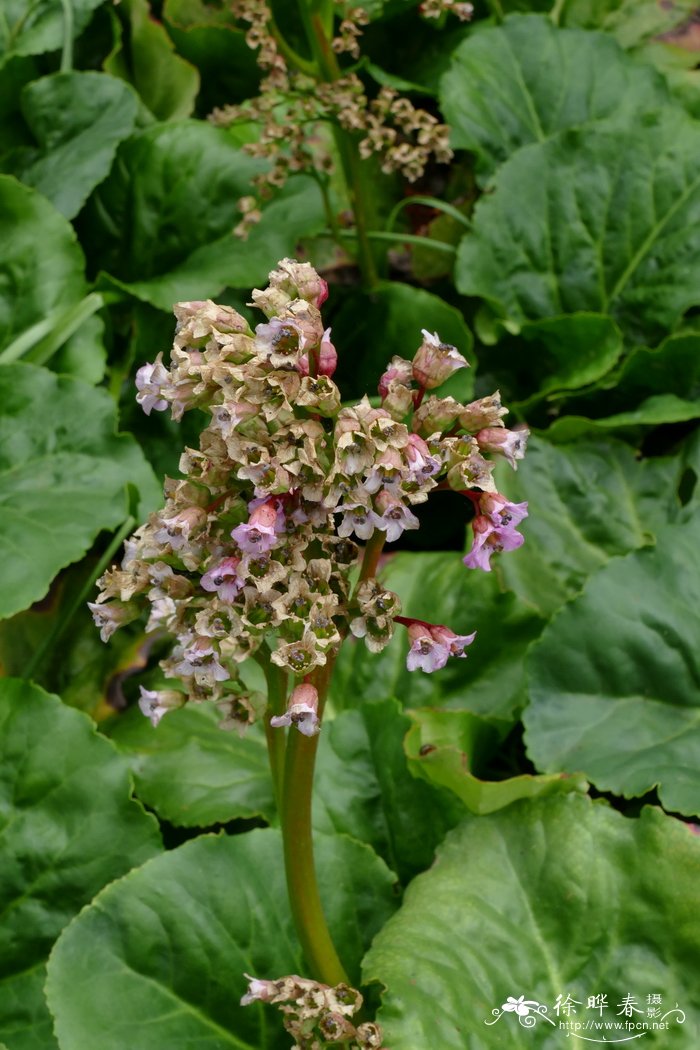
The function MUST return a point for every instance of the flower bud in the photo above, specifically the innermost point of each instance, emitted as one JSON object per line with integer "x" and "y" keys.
{"x": 399, "y": 371}
{"x": 435, "y": 362}
{"x": 508, "y": 443}
{"x": 486, "y": 412}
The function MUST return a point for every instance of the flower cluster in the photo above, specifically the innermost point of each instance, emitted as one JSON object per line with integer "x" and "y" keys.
{"x": 255, "y": 548}
{"x": 316, "y": 1014}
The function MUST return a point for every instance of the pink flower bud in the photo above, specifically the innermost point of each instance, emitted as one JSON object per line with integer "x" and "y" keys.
{"x": 435, "y": 362}
{"x": 508, "y": 443}
{"x": 399, "y": 371}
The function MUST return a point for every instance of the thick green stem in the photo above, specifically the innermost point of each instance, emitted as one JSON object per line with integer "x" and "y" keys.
{"x": 373, "y": 550}
{"x": 276, "y": 703}
{"x": 304, "y": 897}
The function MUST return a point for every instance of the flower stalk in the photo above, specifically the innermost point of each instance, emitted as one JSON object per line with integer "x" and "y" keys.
{"x": 302, "y": 884}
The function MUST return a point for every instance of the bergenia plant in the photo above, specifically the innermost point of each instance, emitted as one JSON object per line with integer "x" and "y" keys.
{"x": 268, "y": 548}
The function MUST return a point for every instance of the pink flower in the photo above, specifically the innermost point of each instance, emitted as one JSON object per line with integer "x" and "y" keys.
{"x": 399, "y": 371}
{"x": 261, "y": 532}
{"x": 302, "y": 711}
{"x": 327, "y": 358}
{"x": 508, "y": 443}
{"x": 150, "y": 380}
{"x": 500, "y": 511}
{"x": 490, "y": 539}
{"x": 435, "y": 362}
{"x": 433, "y": 644}
{"x": 395, "y": 516}
{"x": 224, "y": 579}
{"x": 155, "y": 703}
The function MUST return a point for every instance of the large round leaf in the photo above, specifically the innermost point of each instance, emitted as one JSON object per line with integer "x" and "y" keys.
{"x": 162, "y": 223}
{"x": 607, "y": 222}
{"x": 615, "y": 680}
{"x": 158, "y": 960}
{"x": 193, "y": 773}
{"x": 555, "y": 897}
{"x": 78, "y": 120}
{"x": 63, "y": 477}
{"x": 67, "y": 827}
{"x": 525, "y": 80}
{"x": 42, "y": 265}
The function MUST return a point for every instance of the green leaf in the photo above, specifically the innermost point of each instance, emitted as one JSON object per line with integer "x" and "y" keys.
{"x": 42, "y": 266}
{"x": 161, "y": 224}
{"x": 672, "y": 367}
{"x": 363, "y": 787}
{"x": 63, "y": 477}
{"x": 607, "y": 222}
{"x": 158, "y": 959}
{"x": 78, "y": 120}
{"x": 665, "y": 408}
{"x": 551, "y": 897}
{"x": 166, "y": 82}
{"x": 370, "y": 331}
{"x": 525, "y": 80}
{"x": 210, "y": 38}
{"x": 32, "y": 27}
{"x": 295, "y": 212}
{"x": 438, "y": 588}
{"x": 587, "y": 503}
{"x": 67, "y": 827}
{"x": 191, "y": 772}
{"x": 445, "y": 748}
{"x": 83, "y": 355}
{"x": 559, "y": 353}
{"x": 613, "y": 681}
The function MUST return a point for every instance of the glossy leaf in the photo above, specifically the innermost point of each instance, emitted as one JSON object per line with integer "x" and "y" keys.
{"x": 438, "y": 588}
{"x": 158, "y": 960}
{"x": 665, "y": 408}
{"x": 587, "y": 502}
{"x": 211, "y": 39}
{"x": 78, "y": 120}
{"x": 526, "y": 80}
{"x": 445, "y": 748}
{"x": 555, "y": 354}
{"x": 607, "y": 222}
{"x": 191, "y": 772}
{"x": 42, "y": 265}
{"x": 63, "y": 477}
{"x": 364, "y": 788}
{"x": 68, "y": 828}
{"x": 33, "y": 27}
{"x": 163, "y": 220}
{"x": 613, "y": 681}
{"x": 553, "y": 897}
{"x": 166, "y": 82}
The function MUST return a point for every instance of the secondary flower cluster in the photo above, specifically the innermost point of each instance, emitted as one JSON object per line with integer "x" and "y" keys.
{"x": 257, "y": 543}
{"x": 316, "y": 1014}
{"x": 292, "y": 106}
